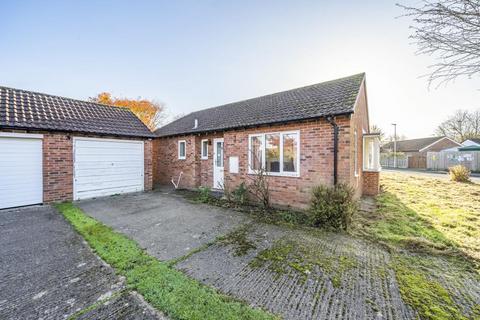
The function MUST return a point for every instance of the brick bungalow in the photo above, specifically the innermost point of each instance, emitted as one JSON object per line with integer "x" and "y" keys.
{"x": 56, "y": 149}
{"x": 303, "y": 137}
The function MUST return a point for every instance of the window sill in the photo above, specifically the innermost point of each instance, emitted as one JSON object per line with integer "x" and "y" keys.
{"x": 202, "y": 158}
{"x": 277, "y": 174}
{"x": 372, "y": 170}
{"x": 182, "y": 158}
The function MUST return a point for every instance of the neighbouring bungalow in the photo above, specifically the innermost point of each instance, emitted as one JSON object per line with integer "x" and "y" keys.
{"x": 56, "y": 149}
{"x": 318, "y": 134}
{"x": 414, "y": 151}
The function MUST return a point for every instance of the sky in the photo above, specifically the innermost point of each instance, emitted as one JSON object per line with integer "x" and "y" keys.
{"x": 196, "y": 54}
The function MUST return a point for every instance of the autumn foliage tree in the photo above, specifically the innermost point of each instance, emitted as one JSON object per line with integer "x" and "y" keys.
{"x": 151, "y": 113}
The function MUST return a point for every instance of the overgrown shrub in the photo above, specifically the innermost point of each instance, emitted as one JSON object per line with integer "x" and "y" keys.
{"x": 459, "y": 173}
{"x": 332, "y": 207}
{"x": 204, "y": 194}
{"x": 259, "y": 188}
{"x": 240, "y": 194}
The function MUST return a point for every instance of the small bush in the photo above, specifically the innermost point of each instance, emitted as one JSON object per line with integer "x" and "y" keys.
{"x": 240, "y": 194}
{"x": 204, "y": 195}
{"x": 333, "y": 207}
{"x": 459, "y": 173}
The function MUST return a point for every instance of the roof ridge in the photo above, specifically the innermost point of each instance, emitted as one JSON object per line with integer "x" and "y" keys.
{"x": 67, "y": 98}
{"x": 278, "y": 92}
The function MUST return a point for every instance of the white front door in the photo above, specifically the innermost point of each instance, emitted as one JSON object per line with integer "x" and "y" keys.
{"x": 105, "y": 167}
{"x": 218, "y": 163}
{"x": 21, "y": 179}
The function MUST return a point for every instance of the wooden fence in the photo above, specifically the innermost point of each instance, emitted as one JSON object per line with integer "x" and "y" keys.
{"x": 388, "y": 161}
{"x": 446, "y": 159}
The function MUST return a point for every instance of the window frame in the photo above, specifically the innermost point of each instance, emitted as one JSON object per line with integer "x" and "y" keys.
{"x": 203, "y": 156}
{"x": 180, "y": 157}
{"x": 262, "y": 138}
{"x": 355, "y": 153}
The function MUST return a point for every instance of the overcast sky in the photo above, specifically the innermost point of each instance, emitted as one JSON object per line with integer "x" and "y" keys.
{"x": 197, "y": 54}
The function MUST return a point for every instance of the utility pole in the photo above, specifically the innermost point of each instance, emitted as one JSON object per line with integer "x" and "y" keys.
{"x": 394, "y": 145}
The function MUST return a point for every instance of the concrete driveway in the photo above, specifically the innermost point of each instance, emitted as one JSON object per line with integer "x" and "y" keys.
{"x": 47, "y": 271}
{"x": 169, "y": 227}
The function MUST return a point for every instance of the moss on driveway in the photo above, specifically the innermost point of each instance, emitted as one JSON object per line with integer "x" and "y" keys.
{"x": 168, "y": 290}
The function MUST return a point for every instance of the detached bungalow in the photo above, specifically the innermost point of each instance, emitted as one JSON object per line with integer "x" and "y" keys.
{"x": 303, "y": 137}
{"x": 55, "y": 149}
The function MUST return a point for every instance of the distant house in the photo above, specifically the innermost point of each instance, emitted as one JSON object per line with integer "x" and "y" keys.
{"x": 471, "y": 142}
{"x": 415, "y": 150}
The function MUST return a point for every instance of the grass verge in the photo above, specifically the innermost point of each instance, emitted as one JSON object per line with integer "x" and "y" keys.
{"x": 168, "y": 290}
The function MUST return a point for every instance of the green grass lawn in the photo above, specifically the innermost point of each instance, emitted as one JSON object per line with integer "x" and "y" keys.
{"x": 422, "y": 212}
{"x": 432, "y": 227}
{"x": 166, "y": 289}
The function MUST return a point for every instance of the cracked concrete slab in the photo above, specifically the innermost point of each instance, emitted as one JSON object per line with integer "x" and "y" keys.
{"x": 343, "y": 278}
{"x": 167, "y": 226}
{"x": 47, "y": 271}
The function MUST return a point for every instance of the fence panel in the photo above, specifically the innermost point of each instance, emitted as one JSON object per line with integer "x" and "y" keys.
{"x": 446, "y": 159}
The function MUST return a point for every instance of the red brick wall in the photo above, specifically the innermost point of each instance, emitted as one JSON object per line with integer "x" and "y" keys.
{"x": 316, "y": 159}
{"x": 57, "y": 167}
{"x": 371, "y": 183}
{"x": 360, "y": 124}
{"x": 148, "y": 165}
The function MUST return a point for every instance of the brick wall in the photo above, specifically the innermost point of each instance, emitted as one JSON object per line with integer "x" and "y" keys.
{"x": 316, "y": 159}
{"x": 371, "y": 185}
{"x": 57, "y": 167}
{"x": 148, "y": 165}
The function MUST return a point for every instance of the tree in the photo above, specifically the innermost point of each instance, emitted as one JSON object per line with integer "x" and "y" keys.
{"x": 462, "y": 125}
{"x": 151, "y": 113}
{"x": 448, "y": 30}
{"x": 376, "y": 129}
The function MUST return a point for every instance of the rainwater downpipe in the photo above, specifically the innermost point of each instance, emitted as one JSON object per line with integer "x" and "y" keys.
{"x": 331, "y": 120}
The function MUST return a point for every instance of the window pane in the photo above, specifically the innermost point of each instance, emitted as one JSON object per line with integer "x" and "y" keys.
{"x": 204, "y": 148}
{"x": 290, "y": 156}
{"x": 272, "y": 152}
{"x": 182, "y": 149}
{"x": 219, "y": 154}
{"x": 256, "y": 153}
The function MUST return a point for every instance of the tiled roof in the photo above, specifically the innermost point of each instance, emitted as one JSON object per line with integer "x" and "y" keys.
{"x": 319, "y": 100}
{"x": 411, "y": 145}
{"x": 31, "y": 110}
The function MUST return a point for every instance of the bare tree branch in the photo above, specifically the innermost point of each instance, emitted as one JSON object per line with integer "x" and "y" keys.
{"x": 448, "y": 30}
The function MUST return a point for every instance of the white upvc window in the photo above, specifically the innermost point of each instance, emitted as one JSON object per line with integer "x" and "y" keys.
{"x": 204, "y": 151}
{"x": 371, "y": 152}
{"x": 182, "y": 149}
{"x": 278, "y": 153}
{"x": 355, "y": 153}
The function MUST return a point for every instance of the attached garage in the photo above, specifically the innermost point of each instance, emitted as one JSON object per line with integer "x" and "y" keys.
{"x": 104, "y": 167}
{"x": 20, "y": 169}
{"x": 59, "y": 149}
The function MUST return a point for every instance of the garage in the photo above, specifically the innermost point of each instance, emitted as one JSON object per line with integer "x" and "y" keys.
{"x": 105, "y": 167}
{"x": 20, "y": 170}
{"x": 56, "y": 149}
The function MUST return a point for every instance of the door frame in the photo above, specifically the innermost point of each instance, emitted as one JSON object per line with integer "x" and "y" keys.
{"x": 74, "y": 139}
{"x": 215, "y": 140}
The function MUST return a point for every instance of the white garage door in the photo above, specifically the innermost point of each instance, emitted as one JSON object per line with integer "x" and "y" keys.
{"x": 104, "y": 167}
{"x": 21, "y": 181}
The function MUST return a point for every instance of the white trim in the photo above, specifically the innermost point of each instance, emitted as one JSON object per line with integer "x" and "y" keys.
{"x": 355, "y": 153}
{"x": 108, "y": 139}
{"x": 281, "y": 173}
{"x": 202, "y": 156}
{"x": 437, "y": 141}
{"x": 214, "y": 158}
{"x": 21, "y": 135}
{"x": 185, "y": 150}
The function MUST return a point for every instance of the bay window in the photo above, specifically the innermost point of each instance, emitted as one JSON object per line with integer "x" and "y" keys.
{"x": 278, "y": 153}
